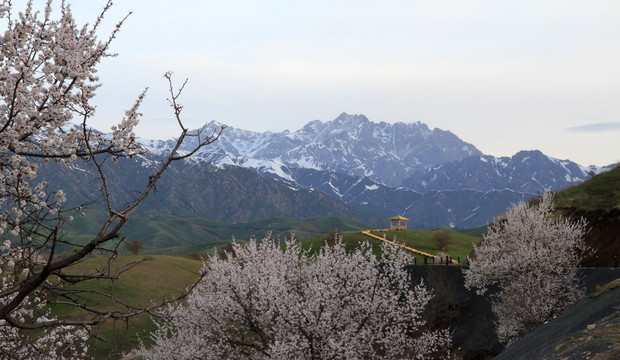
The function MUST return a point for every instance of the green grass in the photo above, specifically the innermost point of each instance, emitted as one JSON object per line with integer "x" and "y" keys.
{"x": 475, "y": 232}
{"x": 163, "y": 277}
{"x": 422, "y": 240}
{"x": 351, "y": 241}
{"x": 169, "y": 234}
{"x": 417, "y": 239}
{"x": 185, "y": 250}
{"x": 601, "y": 193}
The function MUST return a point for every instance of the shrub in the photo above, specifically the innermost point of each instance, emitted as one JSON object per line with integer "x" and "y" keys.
{"x": 442, "y": 240}
{"x": 134, "y": 246}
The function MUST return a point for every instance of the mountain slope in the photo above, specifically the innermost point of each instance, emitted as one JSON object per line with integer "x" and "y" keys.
{"x": 198, "y": 188}
{"x": 430, "y": 209}
{"x": 526, "y": 172}
{"x": 388, "y": 169}
{"x": 598, "y": 201}
{"x": 175, "y": 235}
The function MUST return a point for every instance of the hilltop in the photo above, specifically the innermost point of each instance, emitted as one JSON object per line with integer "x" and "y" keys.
{"x": 598, "y": 201}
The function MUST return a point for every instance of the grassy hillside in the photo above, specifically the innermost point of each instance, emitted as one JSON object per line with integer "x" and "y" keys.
{"x": 598, "y": 201}
{"x": 417, "y": 239}
{"x": 599, "y": 194}
{"x": 475, "y": 232}
{"x": 162, "y": 277}
{"x": 174, "y": 235}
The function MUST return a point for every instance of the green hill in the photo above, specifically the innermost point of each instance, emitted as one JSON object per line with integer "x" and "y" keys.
{"x": 174, "y": 235}
{"x": 599, "y": 194}
{"x": 161, "y": 277}
{"x": 418, "y": 239}
{"x": 598, "y": 201}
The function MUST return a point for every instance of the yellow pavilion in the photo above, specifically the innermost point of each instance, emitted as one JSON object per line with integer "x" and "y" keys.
{"x": 398, "y": 223}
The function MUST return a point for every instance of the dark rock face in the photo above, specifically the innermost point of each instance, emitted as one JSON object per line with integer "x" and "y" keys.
{"x": 590, "y": 329}
{"x": 472, "y": 323}
{"x": 467, "y": 315}
{"x": 604, "y": 235}
{"x": 600, "y": 339}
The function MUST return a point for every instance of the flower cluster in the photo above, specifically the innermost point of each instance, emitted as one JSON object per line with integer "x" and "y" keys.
{"x": 260, "y": 302}
{"x": 532, "y": 256}
{"x": 60, "y": 342}
{"x": 47, "y": 80}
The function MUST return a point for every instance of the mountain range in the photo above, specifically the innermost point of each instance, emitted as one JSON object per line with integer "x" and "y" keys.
{"x": 349, "y": 166}
{"x": 350, "y": 144}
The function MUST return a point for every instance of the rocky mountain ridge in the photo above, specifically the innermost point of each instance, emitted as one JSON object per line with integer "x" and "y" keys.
{"x": 350, "y": 144}
{"x": 528, "y": 171}
{"x": 431, "y": 176}
{"x": 349, "y": 167}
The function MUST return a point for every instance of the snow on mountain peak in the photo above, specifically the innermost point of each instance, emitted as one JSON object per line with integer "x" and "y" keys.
{"x": 389, "y": 152}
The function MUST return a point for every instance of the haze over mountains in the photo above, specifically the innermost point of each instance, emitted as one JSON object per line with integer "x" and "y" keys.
{"x": 351, "y": 167}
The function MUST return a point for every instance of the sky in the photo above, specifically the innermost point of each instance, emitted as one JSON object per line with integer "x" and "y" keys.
{"x": 504, "y": 76}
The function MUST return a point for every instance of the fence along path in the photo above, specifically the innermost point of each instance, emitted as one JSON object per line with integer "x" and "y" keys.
{"x": 369, "y": 233}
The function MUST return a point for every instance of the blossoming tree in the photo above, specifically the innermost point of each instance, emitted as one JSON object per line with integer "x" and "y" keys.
{"x": 532, "y": 257}
{"x": 262, "y": 302}
{"x": 47, "y": 81}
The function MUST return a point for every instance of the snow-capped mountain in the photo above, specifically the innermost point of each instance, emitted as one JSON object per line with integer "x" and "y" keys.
{"x": 527, "y": 172}
{"x": 430, "y": 176}
{"x": 465, "y": 193}
{"x": 350, "y": 144}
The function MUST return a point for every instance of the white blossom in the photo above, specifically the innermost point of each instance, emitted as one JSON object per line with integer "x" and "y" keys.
{"x": 48, "y": 66}
{"x": 264, "y": 303}
{"x": 532, "y": 256}
{"x": 47, "y": 81}
{"x": 60, "y": 197}
{"x": 63, "y": 342}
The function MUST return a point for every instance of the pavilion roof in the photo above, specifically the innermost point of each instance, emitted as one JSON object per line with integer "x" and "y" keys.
{"x": 398, "y": 218}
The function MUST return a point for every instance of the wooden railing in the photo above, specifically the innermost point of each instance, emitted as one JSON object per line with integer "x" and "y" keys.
{"x": 415, "y": 251}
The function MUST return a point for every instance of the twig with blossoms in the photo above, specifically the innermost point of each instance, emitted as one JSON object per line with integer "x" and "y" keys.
{"x": 48, "y": 78}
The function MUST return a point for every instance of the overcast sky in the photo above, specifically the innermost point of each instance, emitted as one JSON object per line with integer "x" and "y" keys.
{"x": 502, "y": 75}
